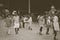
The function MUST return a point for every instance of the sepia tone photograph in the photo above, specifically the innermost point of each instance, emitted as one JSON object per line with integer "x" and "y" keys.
{"x": 29, "y": 19}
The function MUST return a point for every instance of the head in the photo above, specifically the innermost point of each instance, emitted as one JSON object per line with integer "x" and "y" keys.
{"x": 7, "y": 12}
{"x": 52, "y": 7}
{"x": 14, "y": 13}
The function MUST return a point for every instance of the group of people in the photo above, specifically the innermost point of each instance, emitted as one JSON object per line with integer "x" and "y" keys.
{"x": 17, "y": 22}
{"x": 49, "y": 20}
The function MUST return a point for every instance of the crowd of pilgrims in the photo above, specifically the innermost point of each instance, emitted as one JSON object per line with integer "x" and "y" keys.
{"x": 50, "y": 19}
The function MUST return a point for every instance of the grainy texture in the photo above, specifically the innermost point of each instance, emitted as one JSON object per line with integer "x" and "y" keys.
{"x": 25, "y": 34}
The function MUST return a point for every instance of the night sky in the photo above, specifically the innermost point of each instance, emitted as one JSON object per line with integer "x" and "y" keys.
{"x": 36, "y": 5}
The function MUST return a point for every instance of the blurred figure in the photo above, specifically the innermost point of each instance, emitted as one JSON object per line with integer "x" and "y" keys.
{"x": 22, "y": 22}
{"x": 53, "y": 10}
{"x": 38, "y": 18}
{"x": 55, "y": 25}
{"x": 41, "y": 21}
{"x": 25, "y": 21}
{"x": 8, "y": 22}
{"x": 5, "y": 13}
{"x": 48, "y": 24}
{"x": 16, "y": 21}
{"x": 30, "y": 22}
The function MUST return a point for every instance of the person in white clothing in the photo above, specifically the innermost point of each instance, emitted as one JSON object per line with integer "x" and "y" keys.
{"x": 28, "y": 22}
{"x": 16, "y": 22}
{"x": 41, "y": 21}
{"x": 48, "y": 24}
{"x": 55, "y": 25}
{"x": 25, "y": 22}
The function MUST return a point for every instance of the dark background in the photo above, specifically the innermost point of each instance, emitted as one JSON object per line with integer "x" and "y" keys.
{"x": 36, "y": 5}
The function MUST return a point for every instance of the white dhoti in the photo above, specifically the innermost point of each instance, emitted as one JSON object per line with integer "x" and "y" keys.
{"x": 28, "y": 24}
{"x": 41, "y": 24}
{"x": 16, "y": 21}
{"x": 16, "y": 25}
{"x": 56, "y": 26}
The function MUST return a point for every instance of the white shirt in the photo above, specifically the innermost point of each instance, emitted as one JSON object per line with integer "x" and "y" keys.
{"x": 16, "y": 21}
{"x": 48, "y": 20}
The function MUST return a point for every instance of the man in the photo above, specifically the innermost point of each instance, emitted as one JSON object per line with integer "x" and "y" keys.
{"x": 16, "y": 21}
{"x": 48, "y": 23}
{"x": 8, "y": 22}
{"x": 53, "y": 10}
{"x": 55, "y": 25}
{"x": 41, "y": 23}
{"x": 25, "y": 21}
{"x": 30, "y": 22}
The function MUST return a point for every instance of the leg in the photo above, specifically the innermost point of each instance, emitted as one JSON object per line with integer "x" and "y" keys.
{"x": 41, "y": 30}
{"x": 16, "y": 30}
{"x": 47, "y": 30}
{"x": 29, "y": 28}
{"x": 20, "y": 25}
{"x": 23, "y": 25}
{"x": 55, "y": 33}
{"x": 8, "y": 31}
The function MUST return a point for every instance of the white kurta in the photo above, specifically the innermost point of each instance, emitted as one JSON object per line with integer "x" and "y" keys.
{"x": 48, "y": 20}
{"x": 28, "y": 23}
{"x": 41, "y": 21}
{"x": 56, "y": 24}
{"x": 25, "y": 19}
{"x": 16, "y": 21}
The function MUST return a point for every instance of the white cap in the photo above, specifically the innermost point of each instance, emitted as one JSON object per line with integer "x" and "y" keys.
{"x": 13, "y": 12}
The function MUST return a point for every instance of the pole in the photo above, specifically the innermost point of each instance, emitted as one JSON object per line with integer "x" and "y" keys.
{"x": 29, "y": 7}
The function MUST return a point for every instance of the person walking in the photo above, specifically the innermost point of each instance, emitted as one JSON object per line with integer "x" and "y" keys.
{"x": 55, "y": 25}
{"x": 30, "y": 23}
{"x": 8, "y": 22}
{"x": 48, "y": 23}
{"x": 41, "y": 23}
{"x": 16, "y": 22}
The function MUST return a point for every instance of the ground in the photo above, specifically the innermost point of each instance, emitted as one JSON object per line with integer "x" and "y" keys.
{"x": 25, "y": 34}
